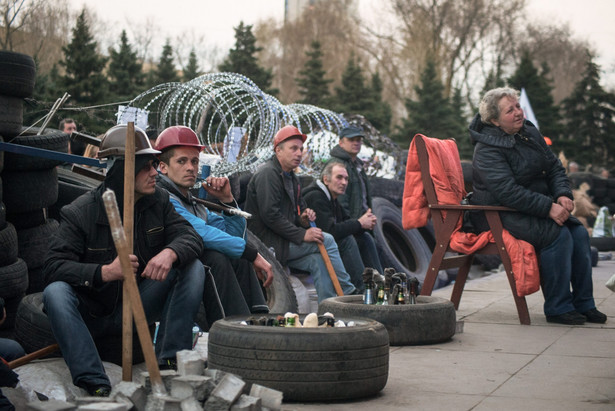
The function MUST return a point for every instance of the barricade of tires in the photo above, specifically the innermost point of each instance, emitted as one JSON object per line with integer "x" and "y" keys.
{"x": 28, "y": 187}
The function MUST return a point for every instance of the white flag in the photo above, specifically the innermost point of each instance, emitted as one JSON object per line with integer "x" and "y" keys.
{"x": 524, "y": 101}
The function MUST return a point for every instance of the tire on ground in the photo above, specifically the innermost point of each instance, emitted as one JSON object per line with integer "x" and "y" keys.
{"x": 25, "y": 191}
{"x": 306, "y": 364}
{"x": 32, "y": 328}
{"x": 404, "y": 250}
{"x": 34, "y": 243}
{"x": 17, "y": 74}
{"x": 54, "y": 140}
{"x": 13, "y": 279}
{"x": 280, "y": 295}
{"x": 431, "y": 320}
{"x": 11, "y": 305}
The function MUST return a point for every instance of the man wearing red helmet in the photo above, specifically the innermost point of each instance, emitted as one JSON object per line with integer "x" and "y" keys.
{"x": 281, "y": 219}
{"x": 226, "y": 250}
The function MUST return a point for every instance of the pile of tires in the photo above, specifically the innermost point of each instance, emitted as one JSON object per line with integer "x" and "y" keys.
{"x": 28, "y": 187}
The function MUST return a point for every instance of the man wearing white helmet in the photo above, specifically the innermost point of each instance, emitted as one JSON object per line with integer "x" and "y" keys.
{"x": 83, "y": 297}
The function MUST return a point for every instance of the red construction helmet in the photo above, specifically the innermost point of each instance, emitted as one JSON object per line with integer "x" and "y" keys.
{"x": 177, "y": 136}
{"x": 287, "y": 132}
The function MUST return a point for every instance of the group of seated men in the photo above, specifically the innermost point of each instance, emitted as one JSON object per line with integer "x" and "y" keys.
{"x": 185, "y": 254}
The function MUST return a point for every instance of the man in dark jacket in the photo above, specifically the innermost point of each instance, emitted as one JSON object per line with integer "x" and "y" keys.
{"x": 356, "y": 201}
{"x": 83, "y": 298}
{"x": 234, "y": 264}
{"x": 282, "y": 221}
{"x": 321, "y": 196}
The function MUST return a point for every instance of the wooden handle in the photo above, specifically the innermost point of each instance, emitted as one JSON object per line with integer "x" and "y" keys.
{"x": 119, "y": 239}
{"x": 33, "y": 356}
{"x": 129, "y": 208}
{"x": 327, "y": 260}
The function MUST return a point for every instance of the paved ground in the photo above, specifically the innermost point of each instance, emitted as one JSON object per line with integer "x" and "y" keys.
{"x": 498, "y": 364}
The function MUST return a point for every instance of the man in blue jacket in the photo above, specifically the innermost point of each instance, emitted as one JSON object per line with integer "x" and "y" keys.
{"x": 233, "y": 262}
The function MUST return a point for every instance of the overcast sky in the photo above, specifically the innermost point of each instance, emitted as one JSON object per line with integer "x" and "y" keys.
{"x": 591, "y": 20}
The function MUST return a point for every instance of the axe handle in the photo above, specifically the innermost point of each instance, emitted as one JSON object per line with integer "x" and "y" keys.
{"x": 33, "y": 356}
{"x": 327, "y": 260}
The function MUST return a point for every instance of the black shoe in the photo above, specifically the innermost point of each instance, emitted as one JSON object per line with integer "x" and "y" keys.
{"x": 168, "y": 365}
{"x": 99, "y": 391}
{"x": 594, "y": 316}
{"x": 569, "y": 318}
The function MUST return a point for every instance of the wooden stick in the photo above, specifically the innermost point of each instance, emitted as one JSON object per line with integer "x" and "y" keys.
{"x": 33, "y": 356}
{"x": 129, "y": 206}
{"x": 119, "y": 238}
{"x": 327, "y": 260}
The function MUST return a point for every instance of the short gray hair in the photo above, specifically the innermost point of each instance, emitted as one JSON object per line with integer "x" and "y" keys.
{"x": 328, "y": 170}
{"x": 489, "y": 107}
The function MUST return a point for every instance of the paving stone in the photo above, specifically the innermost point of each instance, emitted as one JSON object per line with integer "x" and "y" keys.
{"x": 217, "y": 375}
{"x": 157, "y": 402}
{"x": 196, "y": 386}
{"x": 166, "y": 375}
{"x": 104, "y": 406}
{"x": 225, "y": 393}
{"x": 51, "y": 405}
{"x": 247, "y": 403}
{"x": 190, "y": 363}
{"x": 191, "y": 404}
{"x": 270, "y": 398}
{"x": 130, "y": 392}
{"x": 79, "y": 401}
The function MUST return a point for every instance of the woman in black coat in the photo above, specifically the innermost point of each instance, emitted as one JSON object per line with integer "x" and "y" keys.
{"x": 514, "y": 167}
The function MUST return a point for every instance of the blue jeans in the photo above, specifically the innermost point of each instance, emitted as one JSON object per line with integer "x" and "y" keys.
{"x": 564, "y": 263}
{"x": 10, "y": 349}
{"x": 351, "y": 257}
{"x": 369, "y": 254}
{"x": 174, "y": 302}
{"x": 306, "y": 257}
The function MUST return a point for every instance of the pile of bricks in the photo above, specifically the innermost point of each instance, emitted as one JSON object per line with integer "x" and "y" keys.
{"x": 191, "y": 387}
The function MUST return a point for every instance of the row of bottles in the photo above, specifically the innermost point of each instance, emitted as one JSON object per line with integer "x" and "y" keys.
{"x": 392, "y": 288}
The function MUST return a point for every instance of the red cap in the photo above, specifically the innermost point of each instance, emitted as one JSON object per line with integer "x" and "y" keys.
{"x": 287, "y": 132}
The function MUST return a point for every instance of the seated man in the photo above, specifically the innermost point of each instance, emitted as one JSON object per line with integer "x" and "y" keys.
{"x": 357, "y": 198}
{"x": 321, "y": 196}
{"x": 226, "y": 252}
{"x": 282, "y": 221}
{"x": 83, "y": 298}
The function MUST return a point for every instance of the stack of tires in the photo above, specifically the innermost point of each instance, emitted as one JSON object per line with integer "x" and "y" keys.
{"x": 29, "y": 185}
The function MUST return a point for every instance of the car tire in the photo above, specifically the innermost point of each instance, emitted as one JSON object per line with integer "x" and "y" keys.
{"x": 11, "y": 116}
{"x": 431, "y": 320}
{"x": 32, "y": 327}
{"x": 17, "y": 74}
{"x": 306, "y": 364}
{"x": 8, "y": 245}
{"x": 13, "y": 279}
{"x": 34, "y": 243}
{"x": 25, "y": 191}
{"x": 53, "y": 140}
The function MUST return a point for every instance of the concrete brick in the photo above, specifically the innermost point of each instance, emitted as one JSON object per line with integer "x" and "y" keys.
{"x": 131, "y": 393}
{"x": 217, "y": 375}
{"x": 225, "y": 393}
{"x": 104, "y": 406}
{"x": 163, "y": 403}
{"x": 167, "y": 377}
{"x": 247, "y": 403}
{"x": 196, "y": 386}
{"x": 51, "y": 405}
{"x": 79, "y": 401}
{"x": 191, "y": 404}
{"x": 190, "y": 363}
{"x": 270, "y": 398}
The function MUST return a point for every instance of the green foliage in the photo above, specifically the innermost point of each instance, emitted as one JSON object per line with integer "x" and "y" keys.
{"x": 355, "y": 97}
{"x": 125, "y": 72}
{"x": 538, "y": 88}
{"x": 165, "y": 71}
{"x": 242, "y": 59}
{"x": 192, "y": 69}
{"x": 589, "y": 113}
{"x": 432, "y": 114}
{"x": 84, "y": 79}
{"x": 313, "y": 86}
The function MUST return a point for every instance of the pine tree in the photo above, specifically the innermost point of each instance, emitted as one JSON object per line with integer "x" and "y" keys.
{"x": 242, "y": 59}
{"x": 590, "y": 120}
{"x": 313, "y": 86}
{"x": 538, "y": 88}
{"x": 431, "y": 114}
{"x": 83, "y": 78}
{"x": 126, "y": 75}
{"x": 462, "y": 136}
{"x": 381, "y": 113}
{"x": 192, "y": 69}
{"x": 165, "y": 72}
{"x": 352, "y": 96}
